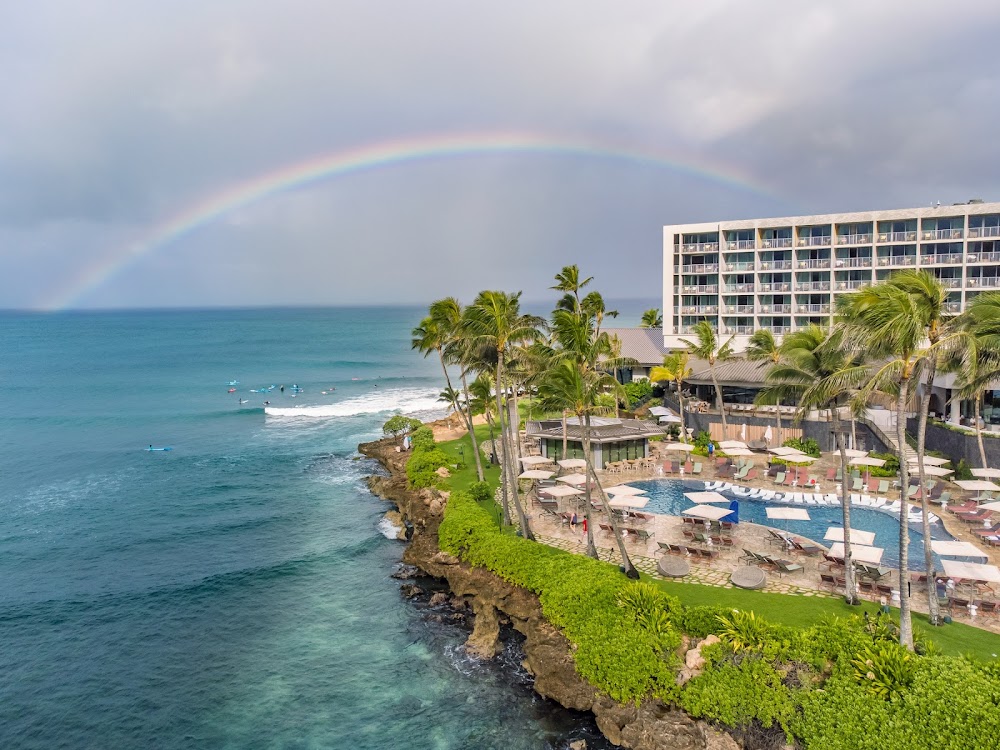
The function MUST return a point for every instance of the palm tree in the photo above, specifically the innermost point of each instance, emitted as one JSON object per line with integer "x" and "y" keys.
{"x": 494, "y": 320}
{"x": 482, "y": 402}
{"x": 652, "y": 318}
{"x": 447, "y": 316}
{"x": 980, "y": 354}
{"x": 675, "y": 369}
{"x": 764, "y": 347}
{"x": 822, "y": 374}
{"x": 707, "y": 347}
{"x": 885, "y": 322}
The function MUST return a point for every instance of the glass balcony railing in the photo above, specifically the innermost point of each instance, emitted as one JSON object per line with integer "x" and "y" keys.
{"x": 696, "y": 268}
{"x": 951, "y": 283}
{"x": 989, "y": 282}
{"x": 739, "y": 330}
{"x": 951, "y": 258}
{"x": 810, "y": 286}
{"x": 853, "y": 263}
{"x": 776, "y": 242}
{"x": 993, "y": 257}
{"x": 854, "y": 239}
{"x": 685, "y": 329}
{"x": 743, "y": 265}
{"x": 780, "y": 286}
{"x": 700, "y": 289}
{"x": 775, "y": 265}
{"x": 897, "y": 236}
{"x": 740, "y": 244}
{"x": 953, "y": 307}
{"x": 779, "y": 330}
{"x": 977, "y": 232}
{"x": 700, "y": 309}
{"x": 700, "y": 247}
{"x": 821, "y": 241}
{"x": 812, "y": 308}
{"x": 773, "y": 309}
{"x": 849, "y": 284}
{"x": 941, "y": 234}
{"x": 815, "y": 263}
{"x": 739, "y": 309}
{"x": 738, "y": 289}
{"x": 898, "y": 260}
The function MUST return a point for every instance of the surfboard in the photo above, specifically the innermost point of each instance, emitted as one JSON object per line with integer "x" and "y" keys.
{"x": 167, "y": 448}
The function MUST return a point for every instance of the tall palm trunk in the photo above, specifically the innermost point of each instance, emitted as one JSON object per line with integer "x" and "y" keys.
{"x": 630, "y": 570}
{"x": 507, "y": 459}
{"x": 850, "y": 585}
{"x": 979, "y": 428}
{"x": 565, "y": 435}
{"x": 925, "y": 521}
{"x": 905, "y": 621}
{"x": 718, "y": 398}
{"x": 680, "y": 405}
{"x": 777, "y": 420}
{"x": 472, "y": 429}
{"x": 515, "y": 428}
{"x": 854, "y": 432}
{"x": 591, "y": 547}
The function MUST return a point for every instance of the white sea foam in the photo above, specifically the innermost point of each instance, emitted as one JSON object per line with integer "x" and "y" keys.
{"x": 388, "y": 529}
{"x": 405, "y": 400}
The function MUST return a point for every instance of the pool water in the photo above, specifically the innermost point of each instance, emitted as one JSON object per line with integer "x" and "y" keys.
{"x": 666, "y": 496}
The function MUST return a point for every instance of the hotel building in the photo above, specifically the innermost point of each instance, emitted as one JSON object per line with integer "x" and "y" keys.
{"x": 783, "y": 274}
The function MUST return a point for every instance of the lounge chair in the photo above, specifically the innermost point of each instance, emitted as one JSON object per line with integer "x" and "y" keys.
{"x": 786, "y": 566}
{"x": 696, "y": 469}
{"x": 805, "y": 549}
{"x": 988, "y": 532}
{"x": 667, "y": 468}
{"x": 664, "y": 547}
{"x": 779, "y": 477}
{"x": 831, "y": 475}
{"x": 874, "y": 572}
{"x": 856, "y": 485}
{"x": 944, "y": 498}
{"x": 688, "y": 534}
{"x": 883, "y": 486}
{"x": 643, "y": 534}
{"x": 606, "y": 528}
{"x": 839, "y": 475}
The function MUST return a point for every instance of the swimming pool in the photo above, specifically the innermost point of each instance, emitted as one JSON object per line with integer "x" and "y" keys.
{"x": 666, "y": 496}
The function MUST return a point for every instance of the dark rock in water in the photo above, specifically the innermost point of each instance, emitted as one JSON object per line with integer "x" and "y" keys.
{"x": 438, "y": 599}
{"x": 410, "y": 590}
{"x": 405, "y": 572}
{"x": 435, "y": 618}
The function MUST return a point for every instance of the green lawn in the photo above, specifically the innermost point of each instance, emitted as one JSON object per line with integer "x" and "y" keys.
{"x": 795, "y": 611}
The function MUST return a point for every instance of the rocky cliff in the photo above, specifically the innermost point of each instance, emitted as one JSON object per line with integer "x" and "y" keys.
{"x": 548, "y": 654}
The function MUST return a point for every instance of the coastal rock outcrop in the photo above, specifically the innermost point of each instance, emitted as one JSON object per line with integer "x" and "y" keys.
{"x": 548, "y": 655}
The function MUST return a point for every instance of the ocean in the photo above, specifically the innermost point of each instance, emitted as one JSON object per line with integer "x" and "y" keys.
{"x": 235, "y": 591}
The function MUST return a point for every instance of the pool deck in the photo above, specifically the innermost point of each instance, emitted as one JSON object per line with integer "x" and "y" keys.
{"x": 552, "y": 530}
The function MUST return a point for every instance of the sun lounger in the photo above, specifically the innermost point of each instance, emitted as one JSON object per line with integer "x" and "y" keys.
{"x": 664, "y": 547}
{"x": 606, "y": 528}
{"x": 883, "y": 486}
{"x": 643, "y": 534}
{"x": 827, "y": 581}
{"x": 944, "y": 498}
{"x": 856, "y": 484}
{"x": 805, "y": 549}
{"x": 779, "y": 477}
{"x": 831, "y": 475}
{"x": 696, "y": 469}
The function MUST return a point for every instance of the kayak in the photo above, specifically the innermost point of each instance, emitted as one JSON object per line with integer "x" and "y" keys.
{"x": 167, "y": 448}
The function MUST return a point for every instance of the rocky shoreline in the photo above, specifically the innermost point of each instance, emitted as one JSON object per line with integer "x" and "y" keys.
{"x": 493, "y": 602}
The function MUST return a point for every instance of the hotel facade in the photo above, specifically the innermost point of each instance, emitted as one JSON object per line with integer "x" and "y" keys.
{"x": 783, "y": 274}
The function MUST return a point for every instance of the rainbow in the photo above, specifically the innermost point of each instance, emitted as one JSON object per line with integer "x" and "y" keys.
{"x": 359, "y": 159}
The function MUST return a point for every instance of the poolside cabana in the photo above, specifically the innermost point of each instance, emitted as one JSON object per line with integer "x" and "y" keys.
{"x": 610, "y": 439}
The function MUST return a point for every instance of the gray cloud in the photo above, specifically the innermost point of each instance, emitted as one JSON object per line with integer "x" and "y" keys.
{"x": 119, "y": 115}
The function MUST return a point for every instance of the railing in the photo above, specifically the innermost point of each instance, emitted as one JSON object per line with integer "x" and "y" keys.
{"x": 779, "y": 330}
{"x": 777, "y": 242}
{"x": 853, "y": 284}
{"x": 821, "y": 241}
{"x": 700, "y": 289}
{"x": 897, "y": 236}
{"x": 812, "y": 308}
{"x": 815, "y": 263}
{"x": 951, "y": 283}
{"x": 953, "y": 307}
{"x": 854, "y": 239}
{"x": 780, "y": 286}
{"x": 976, "y": 232}
{"x": 700, "y": 309}
{"x": 701, "y": 247}
{"x": 805, "y": 286}
{"x": 776, "y": 265}
{"x": 740, "y": 309}
{"x": 984, "y": 281}
{"x": 743, "y": 265}
{"x": 898, "y": 260}
{"x": 686, "y": 329}
{"x": 853, "y": 262}
{"x": 943, "y": 258}
{"x": 741, "y": 244}
{"x": 738, "y": 289}
{"x": 740, "y": 330}
{"x": 775, "y": 308}
{"x": 993, "y": 257}
{"x": 700, "y": 268}
{"x": 942, "y": 234}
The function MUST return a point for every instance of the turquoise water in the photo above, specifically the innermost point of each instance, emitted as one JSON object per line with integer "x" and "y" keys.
{"x": 667, "y": 496}
{"x": 233, "y": 592}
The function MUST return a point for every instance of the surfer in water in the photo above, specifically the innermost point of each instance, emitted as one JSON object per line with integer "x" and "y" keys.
{"x": 267, "y": 403}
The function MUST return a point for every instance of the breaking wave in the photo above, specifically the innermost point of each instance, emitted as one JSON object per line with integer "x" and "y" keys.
{"x": 406, "y": 400}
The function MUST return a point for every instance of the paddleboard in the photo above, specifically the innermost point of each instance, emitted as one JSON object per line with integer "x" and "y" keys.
{"x": 168, "y": 448}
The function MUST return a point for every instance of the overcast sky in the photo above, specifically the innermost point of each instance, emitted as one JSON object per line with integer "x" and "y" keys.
{"x": 118, "y": 117}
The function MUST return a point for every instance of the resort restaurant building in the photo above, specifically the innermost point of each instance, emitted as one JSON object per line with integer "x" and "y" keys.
{"x": 610, "y": 439}
{"x": 644, "y": 345}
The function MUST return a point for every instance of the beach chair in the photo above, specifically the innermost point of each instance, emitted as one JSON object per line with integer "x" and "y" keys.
{"x": 688, "y": 534}
{"x": 856, "y": 485}
{"x": 883, "y": 487}
{"x": 944, "y": 497}
{"x": 789, "y": 478}
{"x": 606, "y": 528}
{"x": 805, "y": 549}
{"x": 727, "y": 525}
{"x": 708, "y": 554}
{"x": 742, "y": 472}
{"x": 831, "y": 475}
{"x": 663, "y": 547}
{"x": 675, "y": 467}
{"x": 779, "y": 477}
{"x": 667, "y": 468}
{"x": 866, "y": 588}
{"x": 644, "y": 535}
{"x": 827, "y": 581}
{"x": 696, "y": 469}
{"x": 839, "y": 476}
{"x": 872, "y": 484}
{"x": 750, "y": 475}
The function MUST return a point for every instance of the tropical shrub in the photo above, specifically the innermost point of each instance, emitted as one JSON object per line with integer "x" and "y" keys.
{"x": 427, "y": 458}
{"x": 637, "y": 392}
{"x": 963, "y": 470}
{"x": 891, "y": 467}
{"x": 400, "y": 425}
{"x": 743, "y": 631}
{"x": 807, "y": 445}
{"x": 739, "y": 694}
{"x": 885, "y": 668}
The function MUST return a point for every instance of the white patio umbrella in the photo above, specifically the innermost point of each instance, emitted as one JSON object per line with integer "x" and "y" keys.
{"x": 932, "y": 461}
{"x": 956, "y": 549}
{"x": 743, "y": 431}
{"x": 670, "y": 419}
{"x": 536, "y": 474}
{"x": 836, "y": 534}
{"x": 560, "y": 490}
{"x": 738, "y": 452}
{"x": 628, "y": 502}
{"x": 934, "y": 471}
{"x": 866, "y": 461}
{"x": 572, "y": 463}
{"x": 977, "y": 485}
{"x": 659, "y": 411}
{"x": 986, "y": 473}
{"x": 679, "y": 447}
{"x": 710, "y": 512}
{"x": 768, "y": 434}
{"x": 995, "y": 505}
{"x": 788, "y": 514}
{"x": 798, "y": 458}
{"x": 853, "y": 453}
{"x": 727, "y": 444}
{"x": 706, "y": 497}
{"x": 535, "y": 460}
{"x": 573, "y": 479}
{"x": 859, "y": 552}
{"x": 783, "y": 450}
{"x": 623, "y": 489}
{"x": 973, "y": 571}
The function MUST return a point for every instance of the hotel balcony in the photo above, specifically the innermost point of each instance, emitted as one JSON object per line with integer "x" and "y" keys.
{"x": 780, "y": 286}
{"x": 987, "y": 282}
{"x": 700, "y": 247}
{"x": 814, "y": 309}
{"x": 700, "y": 289}
{"x": 898, "y": 260}
{"x": 983, "y": 257}
{"x": 775, "y": 309}
{"x": 739, "y": 310}
{"x": 850, "y": 284}
{"x": 686, "y": 329}
{"x": 953, "y": 307}
{"x": 738, "y": 289}
{"x": 853, "y": 263}
{"x": 778, "y": 330}
{"x": 739, "y": 330}
{"x": 743, "y": 265}
{"x": 741, "y": 244}
{"x": 815, "y": 263}
{"x": 812, "y": 286}
{"x": 950, "y": 258}
{"x": 854, "y": 239}
{"x": 777, "y": 242}
{"x": 699, "y": 309}
{"x": 823, "y": 241}
{"x": 977, "y": 232}
{"x": 775, "y": 265}
{"x": 942, "y": 234}
{"x": 952, "y": 283}
{"x": 697, "y": 268}
{"x": 897, "y": 236}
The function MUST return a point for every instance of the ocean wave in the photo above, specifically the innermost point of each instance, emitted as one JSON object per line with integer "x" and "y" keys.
{"x": 388, "y": 529}
{"x": 407, "y": 400}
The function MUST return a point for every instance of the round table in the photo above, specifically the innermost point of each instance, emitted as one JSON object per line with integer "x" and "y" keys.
{"x": 673, "y": 567}
{"x": 749, "y": 577}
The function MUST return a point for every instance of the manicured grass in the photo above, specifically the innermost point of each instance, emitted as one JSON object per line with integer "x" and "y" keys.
{"x": 794, "y": 611}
